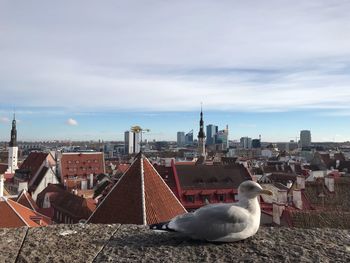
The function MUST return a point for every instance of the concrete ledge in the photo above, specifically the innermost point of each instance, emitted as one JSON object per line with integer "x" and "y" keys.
{"x": 130, "y": 243}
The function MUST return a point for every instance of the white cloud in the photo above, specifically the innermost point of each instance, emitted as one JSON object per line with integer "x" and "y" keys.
{"x": 71, "y": 122}
{"x": 233, "y": 55}
{"x": 4, "y": 120}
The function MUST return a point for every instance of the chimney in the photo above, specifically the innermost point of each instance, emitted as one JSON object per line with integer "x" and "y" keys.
{"x": 329, "y": 182}
{"x": 2, "y": 179}
{"x": 91, "y": 181}
{"x": 298, "y": 203}
{"x": 282, "y": 197}
{"x": 84, "y": 184}
{"x": 277, "y": 210}
{"x": 301, "y": 182}
{"x": 292, "y": 166}
{"x": 337, "y": 163}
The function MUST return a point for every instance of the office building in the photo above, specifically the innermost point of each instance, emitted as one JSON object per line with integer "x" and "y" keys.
{"x": 189, "y": 138}
{"x": 246, "y": 142}
{"x": 132, "y": 142}
{"x": 305, "y": 138}
{"x": 212, "y": 130}
{"x": 181, "y": 139}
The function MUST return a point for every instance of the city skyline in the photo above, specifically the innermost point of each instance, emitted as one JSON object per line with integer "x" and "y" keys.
{"x": 87, "y": 70}
{"x": 164, "y": 126}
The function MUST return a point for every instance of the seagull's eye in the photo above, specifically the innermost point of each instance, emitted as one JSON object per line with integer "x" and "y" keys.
{"x": 250, "y": 188}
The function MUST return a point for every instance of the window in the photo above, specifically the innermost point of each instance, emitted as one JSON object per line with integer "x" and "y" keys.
{"x": 205, "y": 198}
{"x": 221, "y": 197}
{"x": 190, "y": 198}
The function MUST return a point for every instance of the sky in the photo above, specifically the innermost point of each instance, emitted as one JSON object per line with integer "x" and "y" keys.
{"x": 89, "y": 70}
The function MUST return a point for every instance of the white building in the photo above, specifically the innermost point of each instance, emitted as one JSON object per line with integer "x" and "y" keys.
{"x": 13, "y": 150}
{"x": 132, "y": 142}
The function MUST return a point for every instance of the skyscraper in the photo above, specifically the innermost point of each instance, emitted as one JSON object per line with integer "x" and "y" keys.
{"x": 180, "y": 139}
{"x": 221, "y": 138}
{"x": 13, "y": 149}
{"x": 246, "y": 142}
{"x": 189, "y": 138}
{"x": 305, "y": 138}
{"x": 211, "y": 131}
{"x": 132, "y": 142}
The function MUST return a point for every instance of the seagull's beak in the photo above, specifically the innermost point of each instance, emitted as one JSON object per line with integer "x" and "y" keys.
{"x": 266, "y": 192}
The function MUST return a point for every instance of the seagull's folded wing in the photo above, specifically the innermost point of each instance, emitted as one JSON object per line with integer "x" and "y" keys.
{"x": 212, "y": 221}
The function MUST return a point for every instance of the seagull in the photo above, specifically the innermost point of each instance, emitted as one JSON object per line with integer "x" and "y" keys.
{"x": 223, "y": 222}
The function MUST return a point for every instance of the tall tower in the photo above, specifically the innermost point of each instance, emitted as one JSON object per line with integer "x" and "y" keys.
{"x": 13, "y": 149}
{"x": 201, "y": 137}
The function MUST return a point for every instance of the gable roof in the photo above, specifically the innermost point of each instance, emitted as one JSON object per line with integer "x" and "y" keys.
{"x": 140, "y": 197}
{"x": 39, "y": 178}
{"x": 14, "y": 214}
{"x": 211, "y": 176}
{"x": 34, "y": 161}
{"x": 73, "y": 205}
{"x": 26, "y": 200}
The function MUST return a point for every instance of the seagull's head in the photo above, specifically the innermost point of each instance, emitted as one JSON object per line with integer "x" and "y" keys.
{"x": 250, "y": 190}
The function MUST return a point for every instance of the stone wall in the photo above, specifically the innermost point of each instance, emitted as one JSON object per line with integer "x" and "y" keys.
{"x": 130, "y": 243}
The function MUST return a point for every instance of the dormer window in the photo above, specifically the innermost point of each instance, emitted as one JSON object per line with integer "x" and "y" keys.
{"x": 190, "y": 198}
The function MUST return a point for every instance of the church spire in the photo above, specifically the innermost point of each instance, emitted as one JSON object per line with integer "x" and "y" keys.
{"x": 13, "y": 142}
{"x": 201, "y": 136}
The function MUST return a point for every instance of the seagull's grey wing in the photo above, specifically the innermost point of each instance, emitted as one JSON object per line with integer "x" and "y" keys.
{"x": 212, "y": 221}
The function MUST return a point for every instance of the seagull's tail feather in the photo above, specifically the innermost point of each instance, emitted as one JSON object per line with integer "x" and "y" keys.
{"x": 164, "y": 226}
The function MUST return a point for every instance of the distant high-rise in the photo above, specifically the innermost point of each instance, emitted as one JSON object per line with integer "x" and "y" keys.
{"x": 221, "y": 138}
{"x": 211, "y": 131}
{"x": 189, "y": 138}
{"x": 305, "y": 138}
{"x": 256, "y": 143}
{"x": 181, "y": 139}
{"x": 246, "y": 142}
{"x": 132, "y": 142}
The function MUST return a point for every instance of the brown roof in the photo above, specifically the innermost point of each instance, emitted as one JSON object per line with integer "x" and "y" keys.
{"x": 82, "y": 164}
{"x": 282, "y": 178}
{"x": 14, "y": 214}
{"x": 75, "y": 206}
{"x": 25, "y": 199}
{"x": 140, "y": 197}
{"x": 339, "y": 200}
{"x": 3, "y": 168}
{"x": 34, "y": 161}
{"x": 38, "y": 179}
{"x": 211, "y": 176}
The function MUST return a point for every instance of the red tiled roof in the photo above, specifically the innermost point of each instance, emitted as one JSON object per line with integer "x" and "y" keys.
{"x": 207, "y": 192}
{"x": 161, "y": 203}
{"x": 16, "y": 215}
{"x": 34, "y": 161}
{"x": 123, "y": 167}
{"x": 140, "y": 197}
{"x": 26, "y": 200}
{"x": 81, "y": 164}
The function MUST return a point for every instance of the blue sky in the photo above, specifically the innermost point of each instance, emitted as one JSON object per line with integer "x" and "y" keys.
{"x": 90, "y": 70}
